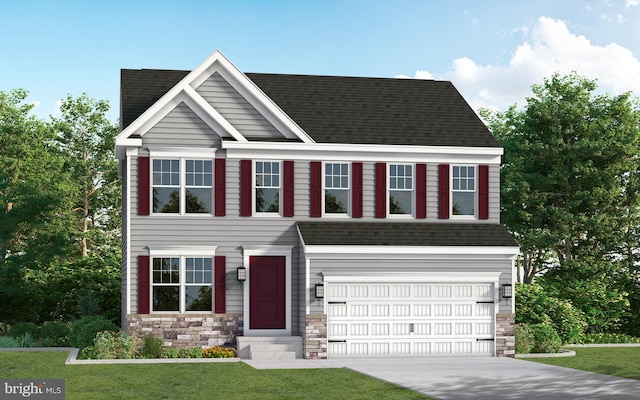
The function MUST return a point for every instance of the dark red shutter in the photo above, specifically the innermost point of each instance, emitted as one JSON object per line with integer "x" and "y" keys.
{"x": 421, "y": 190}
{"x": 483, "y": 191}
{"x": 144, "y": 186}
{"x": 220, "y": 187}
{"x": 246, "y": 188}
{"x": 443, "y": 191}
{"x": 288, "y": 191}
{"x": 356, "y": 190}
{"x": 220, "y": 282}
{"x": 381, "y": 190}
{"x": 143, "y": 285}
{"x": 316, "y": 189}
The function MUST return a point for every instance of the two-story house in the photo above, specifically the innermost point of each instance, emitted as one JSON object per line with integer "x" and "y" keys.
{"x": 311, "y": 216}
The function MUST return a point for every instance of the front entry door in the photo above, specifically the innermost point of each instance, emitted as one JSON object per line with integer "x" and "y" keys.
{"x": 267, "y": 292}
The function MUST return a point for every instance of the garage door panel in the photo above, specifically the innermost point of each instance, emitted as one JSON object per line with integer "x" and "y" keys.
{"x": 413, "y": 319}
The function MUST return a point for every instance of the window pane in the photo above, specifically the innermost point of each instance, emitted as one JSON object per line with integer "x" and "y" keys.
{"x": 336, "y": 201}
{"x": 199, "y": 200}
{"x": 166, "y": 298}
{"x": 259, "y": 167}
{"x": 400, "y": 202}
{"x": 166, "y": 200}
{"x": 267, "y": 200}
{"x": 198, "y": 298}
{"x": 463, "y": 203}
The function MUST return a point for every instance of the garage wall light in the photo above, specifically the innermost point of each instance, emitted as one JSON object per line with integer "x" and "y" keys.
{"x": 241, "y": 274}
{"x": 319, "y": 291}
{"x": 506, "y": 291}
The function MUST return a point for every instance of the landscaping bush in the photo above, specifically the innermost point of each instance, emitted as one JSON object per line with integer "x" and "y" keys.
{"x": 84, "y": 330}
{"x": 110, "y": 345}
{"x": 607, "y": 338}
{"x": 545, "y": 339}
{"x": 152, "y": 347}
{"x": 183, "y": 352}
{"x": 7, "y": 342}
{"x": 219, "y": 352}
{"x": 535, "y": 306}
{"x": 524, "y": 339}
{"x": 21, "y": 328}
{"x": 54, "y": 334}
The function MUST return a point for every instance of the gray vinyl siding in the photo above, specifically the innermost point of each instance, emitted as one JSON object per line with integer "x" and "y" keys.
{"x": 184, "y": 128}
{"x": 236, "y": 109}
{"x": 125, "y": 245}
{"x": 372, "y": 266}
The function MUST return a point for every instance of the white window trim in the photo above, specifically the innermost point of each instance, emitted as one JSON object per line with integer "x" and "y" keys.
{"x": 349, "y": 191}
{"x": 285, "y": 251}
{"x": 475, "y": 193}
{"x": 182, "y": 285}
{"x": 412, "y": 214}
{"x": 254, "y": 211}
{"x": 183, "y": 184}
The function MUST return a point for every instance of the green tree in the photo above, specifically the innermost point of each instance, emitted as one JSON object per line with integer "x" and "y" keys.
{"x": 87, "y": 139}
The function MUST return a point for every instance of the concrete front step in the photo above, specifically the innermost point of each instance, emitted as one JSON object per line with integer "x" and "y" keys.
{"x": 269, "y": 348}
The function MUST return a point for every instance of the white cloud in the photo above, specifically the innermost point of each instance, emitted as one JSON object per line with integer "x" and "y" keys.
{"x": 549, "y": 47}
{"x": 631, "y": 3}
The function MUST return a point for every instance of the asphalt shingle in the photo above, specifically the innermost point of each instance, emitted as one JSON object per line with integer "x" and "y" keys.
{"x": 404, "y": 234}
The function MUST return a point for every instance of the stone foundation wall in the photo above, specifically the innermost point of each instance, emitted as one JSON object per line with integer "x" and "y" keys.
{"x": 315, "y": 338}
{"x": 505, "y": 335}
{"x": 183, "y": 330}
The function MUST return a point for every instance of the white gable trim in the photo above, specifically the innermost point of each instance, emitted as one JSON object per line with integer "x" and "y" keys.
{"x": 184, "y": 91}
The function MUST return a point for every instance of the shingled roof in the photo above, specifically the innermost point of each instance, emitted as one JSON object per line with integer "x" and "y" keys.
{"x": 334, "y": 109}
{"x": 404, "y": 234}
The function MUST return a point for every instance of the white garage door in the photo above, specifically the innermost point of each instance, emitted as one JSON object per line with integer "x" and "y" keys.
{"x": 410, "y": 319}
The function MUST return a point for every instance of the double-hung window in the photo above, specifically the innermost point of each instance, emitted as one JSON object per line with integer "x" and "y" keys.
{"x": 182, "y": 284}
{"x": 267, "y": 186}
{"x": 463, "y": 190}
{"x": 182, "y": 186}
{"x": 336, "y": 188}
{"x": 401, "y": 186}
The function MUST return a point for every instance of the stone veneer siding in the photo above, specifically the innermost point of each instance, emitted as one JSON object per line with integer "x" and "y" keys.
{"x": 193, "y": 330}
{"x": 315, "y": 339}
{"x": 505, "y": 335}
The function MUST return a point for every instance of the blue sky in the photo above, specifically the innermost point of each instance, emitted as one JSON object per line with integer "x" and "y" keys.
{"x": 491, "y": 50}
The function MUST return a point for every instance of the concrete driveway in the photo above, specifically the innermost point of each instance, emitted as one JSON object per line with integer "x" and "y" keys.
{"x": 480, "y": 378}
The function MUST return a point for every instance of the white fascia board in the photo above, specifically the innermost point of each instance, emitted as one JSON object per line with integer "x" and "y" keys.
{"x": 414, "y": 277}
{"x": 175, "y": 251}
{"x": 205, "y": 152}
{"x": 411, "y": 252}
{"x": 252, "y": 93}
{"x": 362, "y": 152}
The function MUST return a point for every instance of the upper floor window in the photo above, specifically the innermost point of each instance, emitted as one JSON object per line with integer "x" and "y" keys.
{"x": 182, "y": 186}
{"x": 463, "y": 190}
{"x": 267, "y": 186}
{"x": 336, "y": 188}
{"x": 182, "y": 284}
{"x": 401, "y": 189}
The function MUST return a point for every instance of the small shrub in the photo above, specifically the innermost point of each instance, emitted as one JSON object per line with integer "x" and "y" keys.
{"x": 152, "y": 347}
{"x": 21, "y": 328}
{"x": 219, "y": 352}
{"x": 26, "y": 340}
{"x": 545, "y": 339}
{"x": 608, "y": 338}
{"x": 85, "y": 329}
{"x": 7, "y": 342}
{"x": 54, "y": 334}
{"x": 524, "y": 339}
{"x": 183, "y": 352}
{"x": 112, "y": 345}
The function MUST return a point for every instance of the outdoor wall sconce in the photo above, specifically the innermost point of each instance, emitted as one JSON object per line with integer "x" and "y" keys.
{"x": 506, "y": 291}
{"x": 241, "y": 274}
{"x": 319, "y": 291}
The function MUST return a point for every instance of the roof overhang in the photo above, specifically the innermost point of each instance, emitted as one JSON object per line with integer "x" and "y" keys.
{"x": 410, "y": 252}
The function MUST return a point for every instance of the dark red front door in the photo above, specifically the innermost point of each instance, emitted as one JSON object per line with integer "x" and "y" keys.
{"x": 267, "y": 290}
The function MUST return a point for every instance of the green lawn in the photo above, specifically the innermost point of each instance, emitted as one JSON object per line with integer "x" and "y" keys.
{"x": 195, "y": 381}
{"x": 617, "y": 361}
